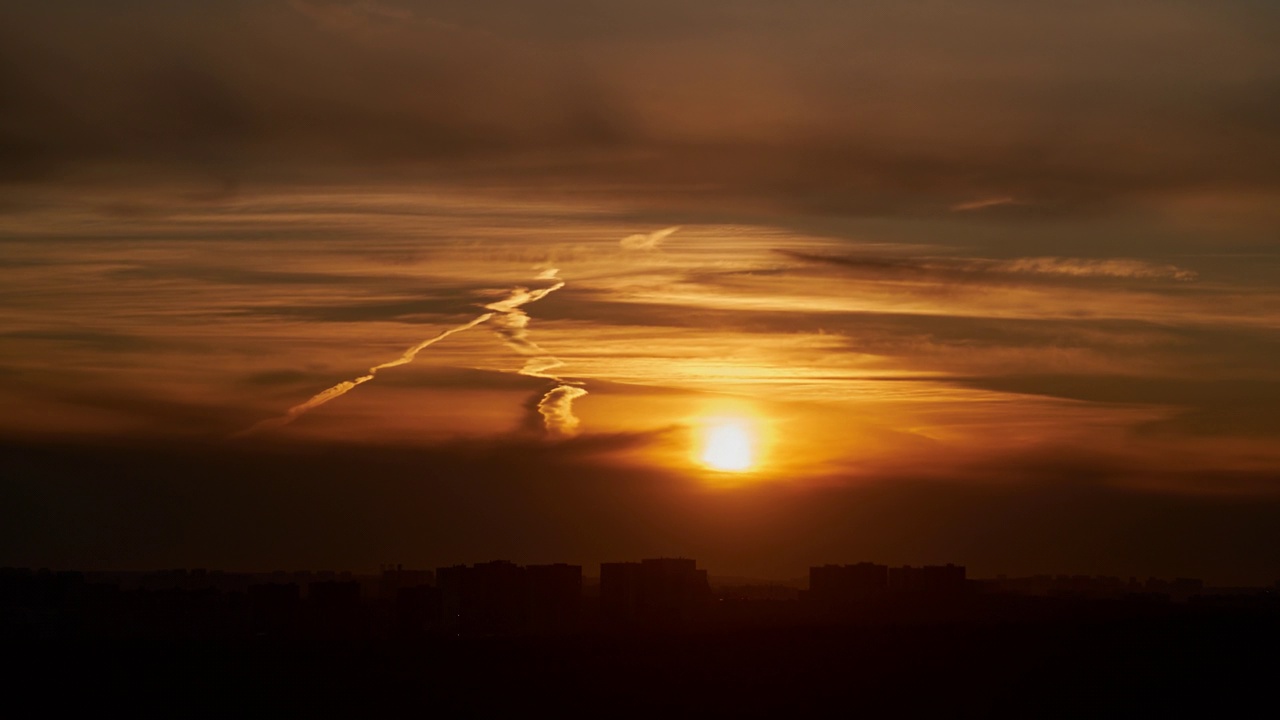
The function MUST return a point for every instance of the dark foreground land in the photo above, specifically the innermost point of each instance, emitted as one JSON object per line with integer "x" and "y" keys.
{"x": 1001, "y": 658}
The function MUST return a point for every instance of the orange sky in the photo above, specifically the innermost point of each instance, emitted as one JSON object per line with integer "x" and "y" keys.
{"x": 1000, "y": 251}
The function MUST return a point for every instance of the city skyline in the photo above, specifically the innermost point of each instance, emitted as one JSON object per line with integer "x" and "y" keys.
{"x": 396, "y": 575}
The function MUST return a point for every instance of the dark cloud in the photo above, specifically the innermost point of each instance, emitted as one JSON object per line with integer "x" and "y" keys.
{"x": 430, "y": 310}
{"x": 134, "y": 409}
{"x": 289, "y": 376}
{"x": 98, "y": 340}
{"x": 1236, "y": 417}
{"x": 1003, "y": 271}
{"x": 242, "y": 276}
{"x": 819, "y": 106}
{"x": 1137, "y": 389}
{"x": 899, "y": 334}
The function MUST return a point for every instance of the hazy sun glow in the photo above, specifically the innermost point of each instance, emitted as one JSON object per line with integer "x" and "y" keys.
{"x": 729, "y": 446}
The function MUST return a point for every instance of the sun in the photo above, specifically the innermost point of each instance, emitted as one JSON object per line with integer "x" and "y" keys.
{"x": 728, "y": 446}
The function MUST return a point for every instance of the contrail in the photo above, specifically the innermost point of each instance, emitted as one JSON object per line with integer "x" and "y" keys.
{"x": 345, "y": 386}
{"x": 512, "y": 323}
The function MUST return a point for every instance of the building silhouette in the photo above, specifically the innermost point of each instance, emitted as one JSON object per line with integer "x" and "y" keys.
{"x": 417, "y": 609}
{"x": 336, "y": 596}
{"x": 619, "y": 592}
{"x": 394, "y": 578}
{"x": 928, "y": 581}
{"x": 652, "y": 591}
{"x": 274, "y": 607}
{"x": 554, "y": 598}
{"x": 848, "y": 583}
{"x": 502, "y": 598}
{"x": 486, "y": 598}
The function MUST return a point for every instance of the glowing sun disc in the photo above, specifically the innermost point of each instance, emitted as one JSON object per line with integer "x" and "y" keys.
{"x": 728, "y": 447}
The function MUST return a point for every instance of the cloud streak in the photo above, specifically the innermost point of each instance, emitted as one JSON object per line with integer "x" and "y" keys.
{"x": 941, "y": 267}
{"x": 512, "y": 323}
{"x": 647, "y": 241}
{"x": 983, "y": 204}
{"x": 346, "y": 386}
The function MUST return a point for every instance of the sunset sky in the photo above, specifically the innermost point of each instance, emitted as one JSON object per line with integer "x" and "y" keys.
{"x": 992, "y": 282}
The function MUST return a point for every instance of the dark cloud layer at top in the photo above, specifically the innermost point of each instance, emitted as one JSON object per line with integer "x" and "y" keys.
{"x": 811, "y": 105}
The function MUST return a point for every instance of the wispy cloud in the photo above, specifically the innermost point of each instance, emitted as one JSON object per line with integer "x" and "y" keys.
{"x": 1080, "y": 267}
{"x": 647, "y": 241}
{"x": 512, "y": 323}
{"x": 556, "y": 408}
{"x": 959, "y": 267}
{"x": 983, "y": 203}
{"x": 346, "y": 386}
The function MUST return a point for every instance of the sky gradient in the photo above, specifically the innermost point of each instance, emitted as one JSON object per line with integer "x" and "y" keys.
{"x": 328, "y": 284}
